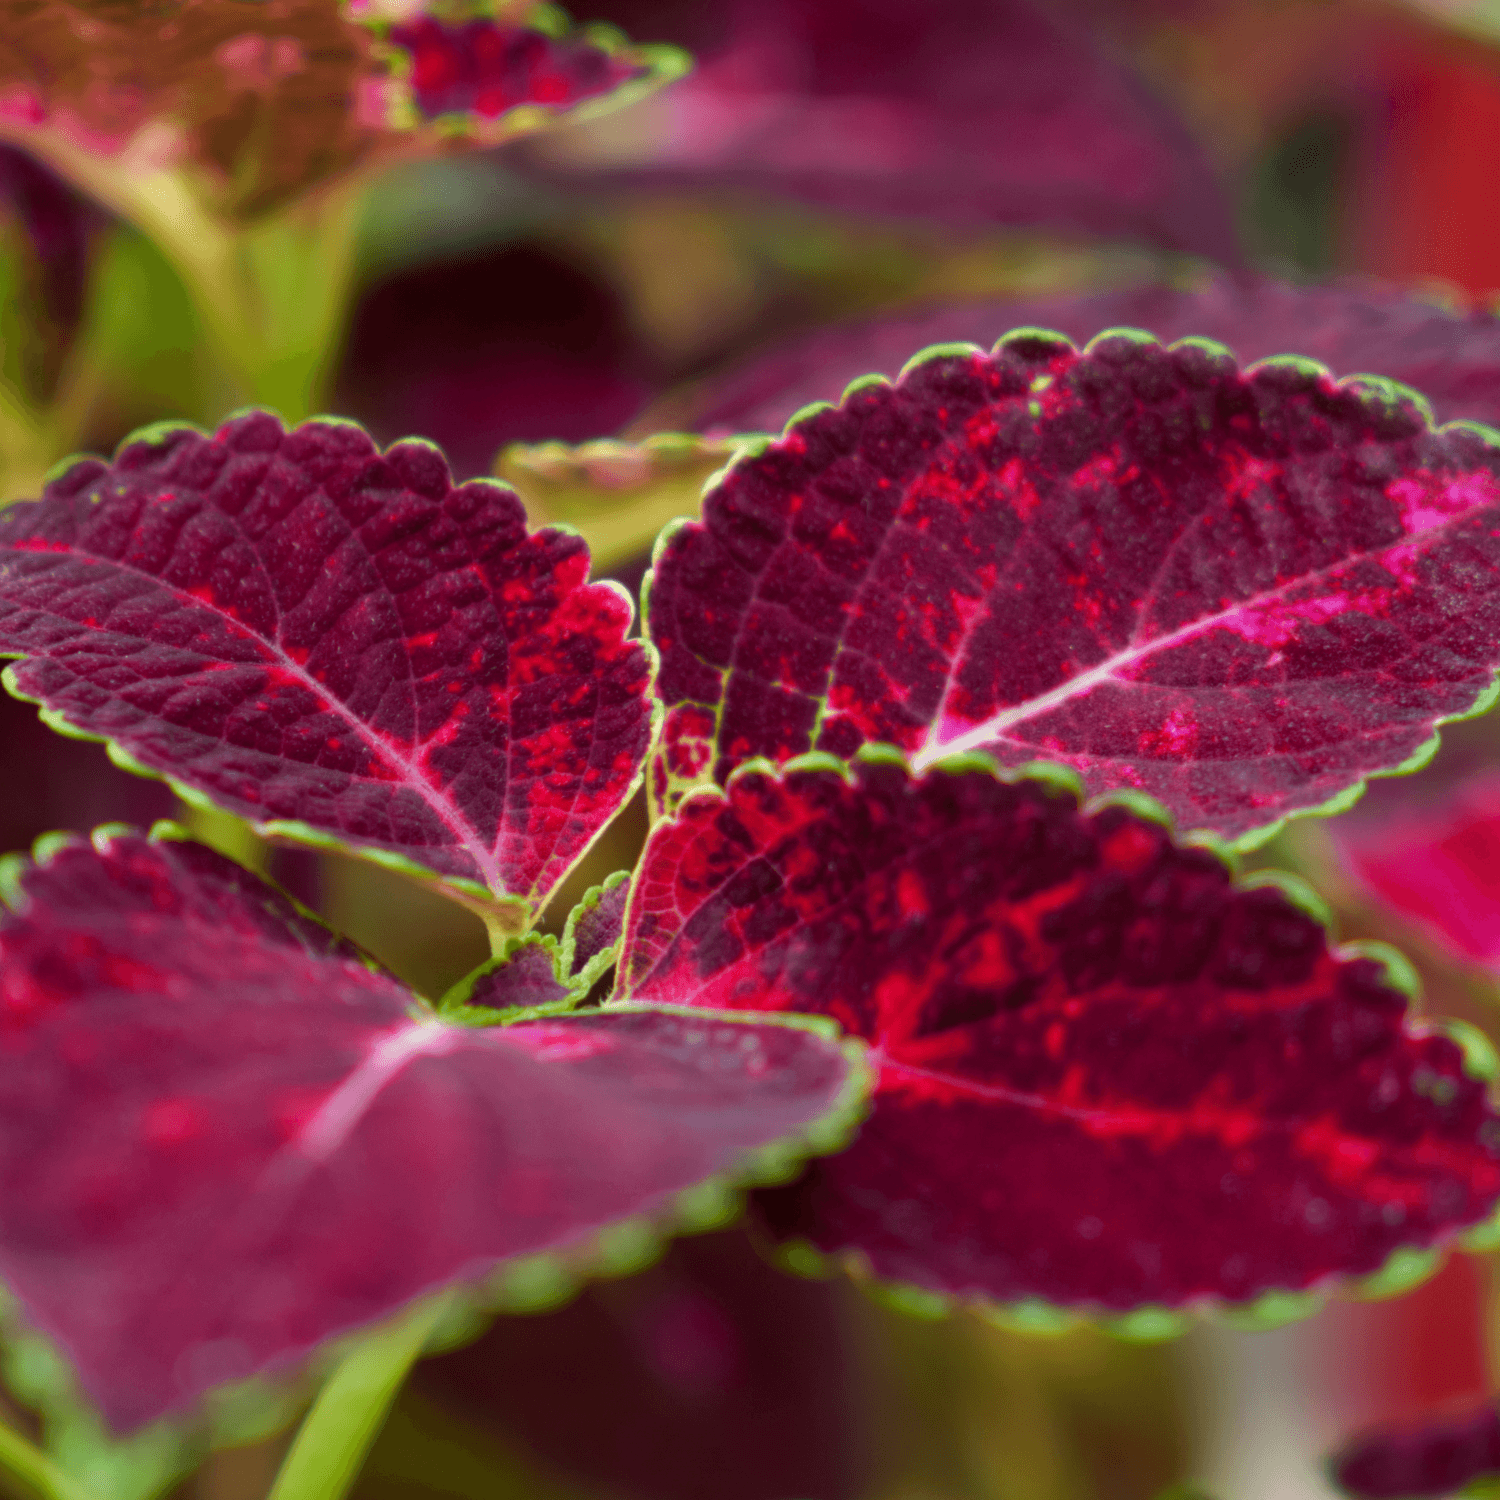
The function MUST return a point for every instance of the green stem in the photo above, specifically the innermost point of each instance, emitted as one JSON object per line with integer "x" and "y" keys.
{"x": 331, "y": 1444}
{"x": 28, "y": 1474}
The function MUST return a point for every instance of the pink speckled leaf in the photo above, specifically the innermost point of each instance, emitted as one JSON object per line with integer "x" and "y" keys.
{"x": 337, "y": 644}
{"x": 1452, "y": 358}
{"x": 1436, "y": 865}
{"x": 224, "y": 1138}
{"x": 1240, "y": 593}
{"x": 967, "y": 111}
{"x": 1107, "y": 1074}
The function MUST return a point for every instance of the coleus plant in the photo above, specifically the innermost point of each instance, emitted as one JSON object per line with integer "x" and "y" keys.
{"x": 939, "y": 669}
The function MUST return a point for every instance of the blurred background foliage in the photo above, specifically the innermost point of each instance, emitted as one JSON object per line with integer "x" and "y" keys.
{"x": 543, "y": 295}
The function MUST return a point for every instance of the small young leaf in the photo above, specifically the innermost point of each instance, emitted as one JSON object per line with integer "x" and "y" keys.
{"x": 1436, "y": 865}
{"x": 1452, "y": 358}
{"x": 263, "y": 102}
{"x": 989, "y": 111}
{"x": 1438, "y": 1458}
{"x": 336, "y": 644}
{"x": 594, "y": 929}
{"x": 1239, "y": 593}
{"x": 224, "y": 1138}
{"x": 1107, "y": 1075}
{"x": 525, "y": 978}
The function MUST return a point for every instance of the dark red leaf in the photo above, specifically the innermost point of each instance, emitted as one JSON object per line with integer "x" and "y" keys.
{"x": 482, "y": 69}
{"x": 1452, "y": 358}
{"x": 1108, "y": 1076}
{"x": 526, "y": 976}
{"x": 984, "y": 113}
{"x": 334, "y": 643}
{"x": 224, "y": 1138}
{"x": 1438, "y": 1458}
{"x": 1436, "y": 865}
{"x": 594, "y": 928}
{"x": 1239, "y": 593}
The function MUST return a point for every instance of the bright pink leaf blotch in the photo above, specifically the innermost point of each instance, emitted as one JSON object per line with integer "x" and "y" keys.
{"x": 223, "y": 1138}
{"x": 1452, "y": 358}
{"x": 1439, "y": 1458}
{"x": 1107, "y": 1076}
{"x": 1437, "y": 866}
{"x": 307, "y": 629}
{"x": 1238, "y": 593}
{"x": 480, "y": 67}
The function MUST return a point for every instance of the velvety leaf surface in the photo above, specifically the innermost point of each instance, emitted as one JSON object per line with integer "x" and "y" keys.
{"x": 1438, "y": 1458}
{"x": 265, "y": 100}
{"x": 990, "y": 111}
{"x": 1436, "y": 865}
{"x": 595, "y": 927}
{"x": 1452, "y": 358}
{"x": 525, "y": 976}
{"x": 310, "y": 631}
{"x": 1240, "y": 593}
{"x": 1108, "y": 1076}
{"x": 224, "y": 1138}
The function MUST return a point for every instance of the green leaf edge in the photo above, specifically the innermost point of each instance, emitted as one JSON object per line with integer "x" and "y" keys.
{"x": 1403, "y": 1270}
{"x": 662, "y": 62}
{"x": 251, "y": 1409}
{"x": 1375, "y": 390}
{"x": 502, "y": 914}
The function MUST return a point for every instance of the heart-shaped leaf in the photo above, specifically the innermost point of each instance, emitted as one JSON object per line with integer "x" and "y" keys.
{"x": 224, "y": 1138}
{"x": 262, "y": 102}
{"x": 1436, "y": 865}
{"x": 1438, "y": 1458}
{"x": 336, "y": 644}
{"x": 1452, "y": 358}
{"x": 1239, "y": 593}
{"x": 1107, "y": 1075}
{"x": 988, "y": 111}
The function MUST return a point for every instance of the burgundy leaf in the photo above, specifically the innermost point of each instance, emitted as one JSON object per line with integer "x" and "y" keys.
{"x": 1239, "y": 593}
{"x": 1107, "y": 1075}
{"x": 1436, "y": 865}
{"x": 1452, "y": 358}
{"x": 224, "y": 1138}
{"x": 594, "y": 928}
{"x": 524, "y": 976}
{"x": 336, "y": 644}
{"x": 983, "y": 113}
{"x": 1438, "y": 1458}
{"x": 482, "y": 69}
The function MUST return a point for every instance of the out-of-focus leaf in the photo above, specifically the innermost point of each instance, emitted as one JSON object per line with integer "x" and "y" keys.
{"x": 1109, "y": 1076}
{"x": 1452, "y": 358}
{"x": 974, "y": 112}
{"x": 1439, "y": 1458}
{"x": 337, "y": 644}
{"x": 226, "y": 1138}
{"x": 1240, "y": 593}
{"x": 618, "y": 494}
{"x": 262, "y": 102}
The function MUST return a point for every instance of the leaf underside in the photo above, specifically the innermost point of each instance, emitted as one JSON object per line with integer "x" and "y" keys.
{"x": 335, "y": 643}
{"x": 1438, "y": 1458}
{"x": 1005, "y": 113}
{"x": 224, "y": 1138}
{"x": 1107, "y": 1076}
{"x": 1239, "y": 593}
{"x": 1452, "y": 358}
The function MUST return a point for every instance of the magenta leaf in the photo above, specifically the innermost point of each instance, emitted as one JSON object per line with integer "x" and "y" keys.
{"x": 1452, "y": 358}
{"x": 1108, "y": 1075}
{"x": 1240, "y": 593}
{"x": 337, "y": 644}
{"x": 986, "y": 113}
{"x": 1440, "y": 1457}
{"x": 1436, "y": 865}
{"x": 479, "y": 69}
{"x": 224, "y": 1137}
